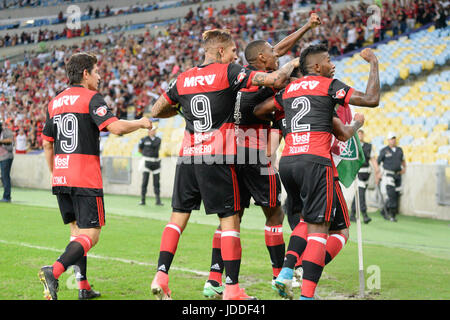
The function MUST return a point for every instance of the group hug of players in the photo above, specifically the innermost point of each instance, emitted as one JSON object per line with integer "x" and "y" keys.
{"x": 235, "y": 118}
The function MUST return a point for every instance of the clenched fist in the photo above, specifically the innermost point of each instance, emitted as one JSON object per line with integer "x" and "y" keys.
{"x": 368, "y": 55}
{"x": 359, "y": 117}
{"x": 314, "y": 21}
{"x": 145, "y": 123}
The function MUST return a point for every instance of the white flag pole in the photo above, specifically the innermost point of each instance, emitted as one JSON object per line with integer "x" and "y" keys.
{"x": 359, "y": 233}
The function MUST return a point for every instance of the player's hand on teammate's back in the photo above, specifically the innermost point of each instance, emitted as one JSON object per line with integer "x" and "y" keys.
{"x": 368, "y": 55}
{"x": 146, "y": 123}
{"x": 314, "y": 21}
{"x": 359, "y": 117}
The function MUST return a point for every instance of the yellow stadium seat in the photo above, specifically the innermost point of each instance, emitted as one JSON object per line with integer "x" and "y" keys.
{"x": 404, "y": 73}
{"x": 440, "y": 127}
{"x": 428, "y": 65}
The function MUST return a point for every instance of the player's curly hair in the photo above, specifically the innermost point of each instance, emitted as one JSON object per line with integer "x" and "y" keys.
{"x": 314, "y": 49}
{"x": 214, "y": 36}
{"x": 76, "y": 65}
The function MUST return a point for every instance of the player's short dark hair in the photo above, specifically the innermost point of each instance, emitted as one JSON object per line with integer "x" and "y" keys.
{"x": 77, "y": 64}
{"x": 253, "y": 49}
{"x": 311, "y": 50}
{"x": 216, "y": 36}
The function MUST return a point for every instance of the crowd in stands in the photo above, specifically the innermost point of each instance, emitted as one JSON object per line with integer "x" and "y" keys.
{"x": 137, "y": 68}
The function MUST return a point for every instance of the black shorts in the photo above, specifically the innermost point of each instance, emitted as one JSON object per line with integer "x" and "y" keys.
{"x": 311, "y": 188}
{"x": 215, "y": 184}
{"x": 87, "y": 211}
{"x": 341, "y": 217}
{"x": 260, "y": 182}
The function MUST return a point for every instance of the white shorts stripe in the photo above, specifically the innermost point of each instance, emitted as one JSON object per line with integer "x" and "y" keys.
{"x": 175, "y": 227}
{"x": 321, "y": 240}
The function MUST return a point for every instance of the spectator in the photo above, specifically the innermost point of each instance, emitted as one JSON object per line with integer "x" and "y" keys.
{"x": 351, "y": 37}
{"x": 21, "y": 141}
{"x": 6, "y": 160}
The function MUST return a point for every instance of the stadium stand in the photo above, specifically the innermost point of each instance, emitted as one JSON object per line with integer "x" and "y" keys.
{"x": 410, "y": 104}
{"x": 420, "y": 113}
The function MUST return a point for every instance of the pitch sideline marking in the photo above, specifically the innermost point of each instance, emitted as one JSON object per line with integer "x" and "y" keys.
{"x": 129, "y": 261}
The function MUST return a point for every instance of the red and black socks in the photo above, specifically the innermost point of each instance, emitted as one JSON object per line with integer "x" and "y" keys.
{"x": 335, "y": 243}
{"x": 313, "y": 262}
{"x": 217, "y": 265}
{"x": 169, "y": 243}
{"x": 275, "y": 245}
{"x": 231, "y": 255}
{"x": 297, "y": 245}
{"x": 75, "y": 250}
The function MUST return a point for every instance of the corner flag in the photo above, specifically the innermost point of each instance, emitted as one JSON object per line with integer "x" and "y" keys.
{"x": 348, "y": 156}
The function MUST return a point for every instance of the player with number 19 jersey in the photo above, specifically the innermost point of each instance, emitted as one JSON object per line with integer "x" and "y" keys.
{"x": 75, "y": 118}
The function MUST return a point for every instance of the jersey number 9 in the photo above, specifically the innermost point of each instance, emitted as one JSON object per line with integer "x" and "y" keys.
{"x": 201, "y": 109}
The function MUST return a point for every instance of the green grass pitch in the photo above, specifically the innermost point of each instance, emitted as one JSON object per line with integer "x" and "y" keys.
{"x": 404, "y": 260}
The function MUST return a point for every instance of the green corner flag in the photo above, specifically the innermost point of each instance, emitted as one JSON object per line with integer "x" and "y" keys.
{"x": 352, "y": 158}
{"x": 348, "y": 156}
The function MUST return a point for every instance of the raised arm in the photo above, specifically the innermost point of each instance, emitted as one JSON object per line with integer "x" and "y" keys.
{"x": 278, "y": 78}
{"x": 343, "y": 132}
{"x": 282, "y": 47}
{"x": 163, "y": 109}
{"x": 370, "y": 98}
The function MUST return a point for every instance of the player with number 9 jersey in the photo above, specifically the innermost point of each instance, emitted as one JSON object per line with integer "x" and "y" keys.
{"x": 206, "y": 94}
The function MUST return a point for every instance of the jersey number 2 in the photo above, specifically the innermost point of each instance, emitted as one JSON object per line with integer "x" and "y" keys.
{"x": 305, "y": 108}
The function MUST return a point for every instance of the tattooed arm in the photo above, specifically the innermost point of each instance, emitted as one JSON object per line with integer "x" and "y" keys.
{"x": 163, "y": 109}
{"x": 278, "y": 78}
{"x": 370, "y": 98}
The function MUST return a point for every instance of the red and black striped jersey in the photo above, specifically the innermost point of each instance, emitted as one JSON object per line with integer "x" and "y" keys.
{"x": 75, "y": 118}
{"x": 309, "y": 105}
{"x": 251, "y": 132}
{"x": 207, "y": 96}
